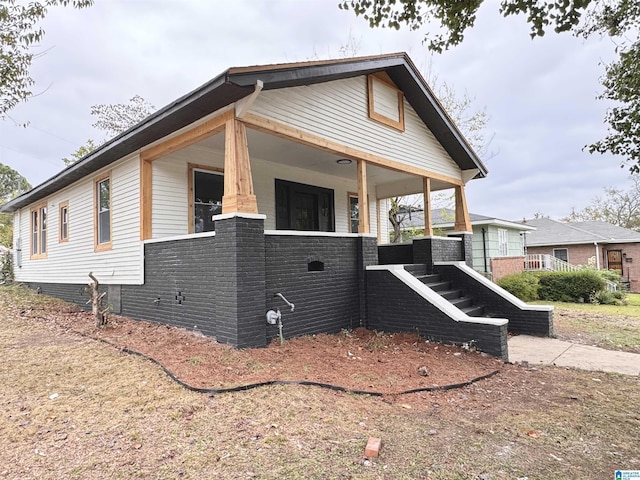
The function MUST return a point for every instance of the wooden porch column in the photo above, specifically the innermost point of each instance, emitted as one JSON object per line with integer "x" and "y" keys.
{"x": 463, "y": 224}
{"x": 238, "y": 183}
{"x": 426, "y": 192}
{"x": 145, "y": 199}
{"x": 363, "y": 198}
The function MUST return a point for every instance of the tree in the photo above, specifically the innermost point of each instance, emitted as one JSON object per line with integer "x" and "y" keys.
{"x": 471, "y": 122}
{"x": 618, "y": 19}
{"x": 81, "y": 152}
{"x": 12, "y": 184}
{"x": 617, "y": 206}
{"x": 118, "y": 117}
{"x": 19, "y": 31}
{"x": 113, "y": 119}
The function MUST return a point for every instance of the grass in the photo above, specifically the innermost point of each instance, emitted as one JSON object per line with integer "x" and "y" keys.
{"x": 118, "y": 416}
{"x": 607, "y": 326}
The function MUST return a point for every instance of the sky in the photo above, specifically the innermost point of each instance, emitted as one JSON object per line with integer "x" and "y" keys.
{"x": 540, "y": 95}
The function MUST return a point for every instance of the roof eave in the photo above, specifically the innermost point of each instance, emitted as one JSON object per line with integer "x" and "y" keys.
{"x": 234, "y": 84}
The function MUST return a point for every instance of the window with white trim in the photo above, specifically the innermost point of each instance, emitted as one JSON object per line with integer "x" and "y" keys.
{"x": 503, "y": 242}
{"x": 561, "y": 254}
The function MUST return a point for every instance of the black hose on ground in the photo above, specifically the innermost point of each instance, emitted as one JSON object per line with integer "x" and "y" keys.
{"x": 250, "y": 386}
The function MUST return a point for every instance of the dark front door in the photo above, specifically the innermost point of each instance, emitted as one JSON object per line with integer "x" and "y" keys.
{"x": 614, "y": 260}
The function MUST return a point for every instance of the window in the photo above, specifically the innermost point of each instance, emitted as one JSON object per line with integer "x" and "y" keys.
{"x": 386, "y": 102}
{"x": 39, "y": 232}
{"x": 354, "y": 219}
{"x": 207, "y": 187}
{"x": 503, "y": 242}
{"x": 561, "y": 254}
{"x": 64, "y": 222}
{"x": 304, "y": 207}
{"x": 102, "y": 212}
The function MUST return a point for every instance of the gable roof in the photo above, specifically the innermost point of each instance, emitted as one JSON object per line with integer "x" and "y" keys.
{"x": 236, "y": 83}
{"x": 445, "y": 218}
{"x": 552, "y": 232}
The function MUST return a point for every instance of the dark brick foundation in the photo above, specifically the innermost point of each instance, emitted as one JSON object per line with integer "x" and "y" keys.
{"x": 393, "y": 307}
{"x": 526, "y": 322}
{"x": 327, "y": 300}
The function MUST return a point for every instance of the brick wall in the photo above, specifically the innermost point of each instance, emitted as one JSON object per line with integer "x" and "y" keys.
{"x": 393, "y": 307}
{"x": 428, "y": 250}
{"x": 503, "y": 266}
{"x": 527, "y": 322}
{"x": 395, "y": 254}
{"x": 239, "y": 282}
{"x": 327, "y": 300}
{"x": 179, "y": 285}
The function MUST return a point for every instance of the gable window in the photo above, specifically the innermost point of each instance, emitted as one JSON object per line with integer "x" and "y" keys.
{"x": 561, "y": 254}
{"x": 354, "y": 217}
{"x": 102, "y": 212}
{"x": 503, "y": 242}
{"x": 386, "y": 102}
{"x": 304, "y": 207}
{"x": 39, "y": 232}
{"x": 206, "y": 187}
{"x": 64, "y": 222}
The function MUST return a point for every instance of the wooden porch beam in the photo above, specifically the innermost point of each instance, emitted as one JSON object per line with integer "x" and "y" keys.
{"x": 238, "y": 182}
{"x": 281, "y": 130}
{"x": 363, "y": 198}
{"x": 426, "y": 192}
{"x": 185, "y": 139}
{"x": 463, "y": 223}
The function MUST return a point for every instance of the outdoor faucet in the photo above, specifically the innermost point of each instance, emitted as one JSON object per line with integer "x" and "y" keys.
{"x": 285, "y": 300}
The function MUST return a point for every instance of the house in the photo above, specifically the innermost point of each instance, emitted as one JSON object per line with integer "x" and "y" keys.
{"x": 265, "y": 183}
{"x": 496, "y": 244}
{"x": 594, "y": 243}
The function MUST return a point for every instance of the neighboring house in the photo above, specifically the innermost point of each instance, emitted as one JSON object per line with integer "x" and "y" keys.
{"x": 594, "y": 243}
{"x": 266, "y": 180}
{"x": 492, "y": 237}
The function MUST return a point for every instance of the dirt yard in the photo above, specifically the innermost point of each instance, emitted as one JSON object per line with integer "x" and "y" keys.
{"x": 79, "y": 408}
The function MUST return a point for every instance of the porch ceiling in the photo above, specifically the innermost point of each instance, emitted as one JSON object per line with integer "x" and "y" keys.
{"x": 278, "y": 150}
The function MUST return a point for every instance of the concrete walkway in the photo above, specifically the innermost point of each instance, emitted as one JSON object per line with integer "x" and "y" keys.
{"x": 549, "y": 351}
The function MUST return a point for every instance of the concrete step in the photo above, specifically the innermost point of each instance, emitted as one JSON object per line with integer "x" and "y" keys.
{"x": 450, "y": 294}
{"x": 416, "y": 269}
{"x": 474, "y": 310}
{"x": 462, "y": 302}
{"x": 439, "y": 286}
{"x": 428, "y": 278}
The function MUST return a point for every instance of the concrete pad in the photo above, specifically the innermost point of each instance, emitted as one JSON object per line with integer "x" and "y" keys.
{"x": 535, "y": 349}
{"x": 550, "y": 351}
{"x": 600, "y": 360}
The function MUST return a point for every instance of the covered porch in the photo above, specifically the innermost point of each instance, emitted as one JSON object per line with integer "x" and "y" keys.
{"x": 246, "y": 164}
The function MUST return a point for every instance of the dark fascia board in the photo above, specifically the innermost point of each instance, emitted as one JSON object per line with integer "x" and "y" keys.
{"x": 208, "y": 98}
{"x": 236, "y": 83}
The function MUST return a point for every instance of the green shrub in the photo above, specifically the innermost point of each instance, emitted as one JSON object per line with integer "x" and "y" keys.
{"x": 522, "y": 285}
{"x": 577, "y": 286}
{"x": 606, "y": 297}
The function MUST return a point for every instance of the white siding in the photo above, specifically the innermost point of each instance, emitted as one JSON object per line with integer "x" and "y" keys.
{"x": 170, "y": 196}
{"x": 170, "y": 185}
{"x": 338, "y": 111}
{"x": 70, "y": 262}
